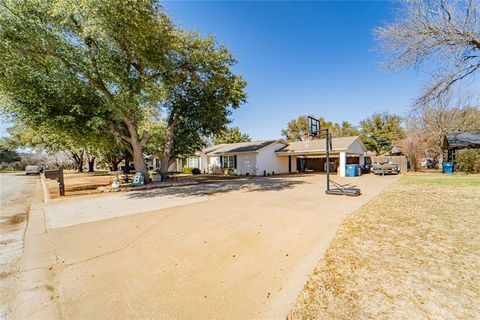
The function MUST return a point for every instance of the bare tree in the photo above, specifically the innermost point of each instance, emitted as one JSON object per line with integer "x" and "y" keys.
{"x": 427, "y": 126}
{"x": 444, "y": 34}
{"x": 414, "y": 145}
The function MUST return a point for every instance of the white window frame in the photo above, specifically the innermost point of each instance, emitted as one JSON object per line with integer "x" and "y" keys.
{"x": 228, "y": 162}
{"x": 193, "y": 162}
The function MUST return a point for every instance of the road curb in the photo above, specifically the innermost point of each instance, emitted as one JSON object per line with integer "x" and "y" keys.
{"x": 46, "y": 194}
{"x": 35, "y": 293}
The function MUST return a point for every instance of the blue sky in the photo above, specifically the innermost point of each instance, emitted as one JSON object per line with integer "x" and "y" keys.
{"x": 302, "y": 58}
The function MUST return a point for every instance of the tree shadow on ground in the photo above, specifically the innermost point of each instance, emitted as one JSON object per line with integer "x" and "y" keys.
{"x": 258, "y": 184}
{"x": 85, "y": 188}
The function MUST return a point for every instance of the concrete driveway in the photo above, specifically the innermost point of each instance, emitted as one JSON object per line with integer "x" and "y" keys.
{"x": 236, "y": 250}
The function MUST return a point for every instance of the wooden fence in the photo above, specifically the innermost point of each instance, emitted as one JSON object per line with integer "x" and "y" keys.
{"x": 401, "y": 160}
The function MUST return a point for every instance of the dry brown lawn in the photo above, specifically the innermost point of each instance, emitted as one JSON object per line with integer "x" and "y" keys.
{"x": 80, "y": 183}
{"x": 88, "y": 182}
{"x": 413, "y": 253}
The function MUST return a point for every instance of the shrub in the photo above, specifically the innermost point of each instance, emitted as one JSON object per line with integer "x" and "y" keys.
{"x": 196, "y": 171}
{"x": 187, "y": 170}
{"x": 468, "y": 161}
{"x": 215, "y": 169}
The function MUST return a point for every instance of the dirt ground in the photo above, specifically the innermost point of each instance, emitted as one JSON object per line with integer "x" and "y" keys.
{"x": 87, "y": 183}
{"x": 80, "y": 183}
{"x": 244, "y": 252}
{"x": 413, "y": 253}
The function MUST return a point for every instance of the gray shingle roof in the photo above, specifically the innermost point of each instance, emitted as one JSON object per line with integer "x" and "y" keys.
{"x": 251, "y": 146}
{"x": 318, "y": 145}
{"x": 463, "y": 140}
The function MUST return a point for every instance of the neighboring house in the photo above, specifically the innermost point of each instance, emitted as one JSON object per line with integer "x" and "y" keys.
{"x": 457, "y": 141}
{"x": 276, "y": 156}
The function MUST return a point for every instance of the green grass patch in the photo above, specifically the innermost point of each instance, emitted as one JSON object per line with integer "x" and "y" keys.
{"x": 442, "y": 179}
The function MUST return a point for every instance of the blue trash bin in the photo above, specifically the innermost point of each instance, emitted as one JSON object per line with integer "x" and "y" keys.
{"x": 447, "y": 167}
{"x": 352, "y": 170}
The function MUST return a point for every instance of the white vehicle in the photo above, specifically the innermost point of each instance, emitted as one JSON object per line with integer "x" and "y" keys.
{"x": 32, "y": 170}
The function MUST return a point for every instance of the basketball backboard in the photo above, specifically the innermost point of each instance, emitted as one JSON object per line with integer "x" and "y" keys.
{"x": 313, "y": 127}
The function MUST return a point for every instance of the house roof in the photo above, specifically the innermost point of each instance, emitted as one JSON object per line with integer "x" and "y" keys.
{"x": 319, "y": 145}
{"x": 462, "y": 140}
{"x": 240, "y": 147}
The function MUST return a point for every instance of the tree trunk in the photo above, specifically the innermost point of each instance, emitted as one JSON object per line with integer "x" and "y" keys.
{"x": 166, "y": 156}
{"x": 77, "y": 158}
{"x": 164, "y": 164}
{"x": 127, "y": 165}
{"x": 139, "y": 160}
{"x": 79, "y": 165}
{"x": 137, "y": 147}
{"x": 91, "y": 164}
{"x": 115, "y": 164}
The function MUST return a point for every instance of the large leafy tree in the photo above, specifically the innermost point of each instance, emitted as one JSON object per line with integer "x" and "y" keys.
{"x": 8, "y": 153}
{"x": 200, "y": 93}
{"x": 113, "y": 154}
{"x": 297, "y": 129}
{"x": 231, "y": 135}
{"x": 128, "y": 56}
{"x": 381, "y": 131}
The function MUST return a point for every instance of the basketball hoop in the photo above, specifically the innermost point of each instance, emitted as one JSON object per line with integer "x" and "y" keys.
{"x": 314, "y": 131}
{"x": 313, "y": 127}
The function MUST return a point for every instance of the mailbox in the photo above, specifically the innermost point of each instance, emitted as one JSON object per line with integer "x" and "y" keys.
{"x": 51, "y": 174}
{"x": 57, "y": 175}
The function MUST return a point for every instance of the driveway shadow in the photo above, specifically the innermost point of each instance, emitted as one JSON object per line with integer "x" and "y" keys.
{"x": 257, "y": 184}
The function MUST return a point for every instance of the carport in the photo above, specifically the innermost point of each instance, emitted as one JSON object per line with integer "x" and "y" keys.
{"x": 310, "y": 155}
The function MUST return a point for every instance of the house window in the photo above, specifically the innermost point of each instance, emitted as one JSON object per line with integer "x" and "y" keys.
{"x": 193, "y": 162}
{"x": 228, "y": 162}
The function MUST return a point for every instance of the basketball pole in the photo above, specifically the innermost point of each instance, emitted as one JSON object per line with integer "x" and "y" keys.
{"x": 327, "y": 150}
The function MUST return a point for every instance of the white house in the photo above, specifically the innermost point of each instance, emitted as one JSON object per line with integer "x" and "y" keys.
{"x": 244, "y": 158}
{"x": 277, "y": 156}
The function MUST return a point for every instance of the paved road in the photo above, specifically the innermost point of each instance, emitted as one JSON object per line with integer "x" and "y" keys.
{"x": 16, "y": 193}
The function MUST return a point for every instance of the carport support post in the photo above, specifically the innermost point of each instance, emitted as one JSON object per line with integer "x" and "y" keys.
{"x": 327, "y": 152}
{"x": 343, "y": 164}
{"x": 361, "y": 160}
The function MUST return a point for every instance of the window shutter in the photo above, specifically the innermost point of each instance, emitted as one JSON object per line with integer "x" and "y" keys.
{"x": 235, "y": 161}
{"x": 221, "y": 162}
